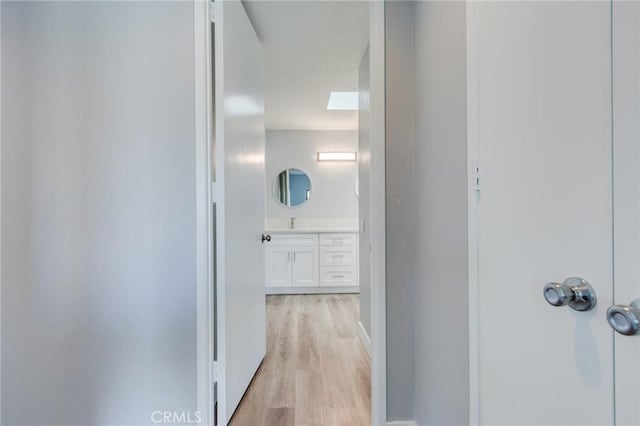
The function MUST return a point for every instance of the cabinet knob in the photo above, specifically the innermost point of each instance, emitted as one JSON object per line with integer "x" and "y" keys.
{"x": 266, "y": 237}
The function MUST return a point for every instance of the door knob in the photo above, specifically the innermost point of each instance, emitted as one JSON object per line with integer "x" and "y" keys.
{"x": 574, "y": 292}
{"x": 625, "y": 319}
{"x": 266, "y": 237}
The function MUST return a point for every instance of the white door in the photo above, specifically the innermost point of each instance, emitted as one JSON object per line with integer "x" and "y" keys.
{"x": 626, "y": 184}
{"x": 278, "y": 266}
{"x": 239, "y": 153}
{"x": 544, "y": 106}
{"x": 305, "y": 266}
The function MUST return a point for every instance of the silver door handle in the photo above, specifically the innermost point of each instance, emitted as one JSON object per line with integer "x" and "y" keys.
{"x": 288, "y": 257}
{"x": 574, "y": 292}
{"x": 625, "y": 319}
{"x": 294, "y": 255}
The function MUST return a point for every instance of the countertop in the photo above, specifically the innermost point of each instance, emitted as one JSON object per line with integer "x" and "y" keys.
{"x": 310, "y": 231}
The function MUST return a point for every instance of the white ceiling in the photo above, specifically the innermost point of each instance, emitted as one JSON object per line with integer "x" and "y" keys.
{"x": 311, "y": 48}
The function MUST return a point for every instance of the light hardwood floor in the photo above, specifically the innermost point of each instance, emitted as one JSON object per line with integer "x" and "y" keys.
{"x": 316, "y": 371}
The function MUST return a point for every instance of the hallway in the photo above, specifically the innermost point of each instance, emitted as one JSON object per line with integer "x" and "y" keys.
{"x": 316, "y": 371}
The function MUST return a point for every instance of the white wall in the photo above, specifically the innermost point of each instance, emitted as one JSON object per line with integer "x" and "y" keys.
{"x": 98, "y": 212}
{"x": 400, "y": 206}
{"x": 332, "y": 183}
{"x": 427, "y": 272}
{"x": 441, "y": 293}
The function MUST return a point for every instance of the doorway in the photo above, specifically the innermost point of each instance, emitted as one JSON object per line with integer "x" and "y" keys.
{"x": 311, "y": 261}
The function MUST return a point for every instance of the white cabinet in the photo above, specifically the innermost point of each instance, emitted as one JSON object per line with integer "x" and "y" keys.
{"x": 292, "y": 260}
{"x": 312, "y": 262}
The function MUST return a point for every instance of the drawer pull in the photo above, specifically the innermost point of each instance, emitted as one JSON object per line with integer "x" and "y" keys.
{"x": 337, "y": 256}
{"x": 338, "y": 276}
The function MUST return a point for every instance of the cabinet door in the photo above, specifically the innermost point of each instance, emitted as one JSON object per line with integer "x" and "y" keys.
{"x": 278, "y": 266}
{"x": 305, "y": 266}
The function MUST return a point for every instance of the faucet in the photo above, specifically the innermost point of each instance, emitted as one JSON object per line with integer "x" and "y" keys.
{"x": 292, "y": 223}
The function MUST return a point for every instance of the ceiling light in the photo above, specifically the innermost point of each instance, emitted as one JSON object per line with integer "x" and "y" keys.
{"x": 336, "y": 156}
{"x": 343, "y": 101}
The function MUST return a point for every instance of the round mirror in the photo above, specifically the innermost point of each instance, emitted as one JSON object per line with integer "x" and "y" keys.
{"x": 292, "y": 187}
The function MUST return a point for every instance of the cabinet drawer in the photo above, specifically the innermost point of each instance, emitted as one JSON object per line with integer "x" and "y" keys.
{"x": 293, "y": 240}
{"x": 337, "y": 256}
{"x": 336, "y": 276}
{"x": 338, "y": 239}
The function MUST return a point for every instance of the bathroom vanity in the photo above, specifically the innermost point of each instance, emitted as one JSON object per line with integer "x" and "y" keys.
{"x": 309, "y": 247}
{"x": 311, "y": 261}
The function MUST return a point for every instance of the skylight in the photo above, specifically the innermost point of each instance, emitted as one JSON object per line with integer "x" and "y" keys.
{"x": 343, "y": 101}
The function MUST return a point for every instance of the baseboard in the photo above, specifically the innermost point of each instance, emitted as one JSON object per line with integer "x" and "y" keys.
{"x": 312, "y": 290}
{"x": 403, "y": 423}
{"x": 364, "y": 338}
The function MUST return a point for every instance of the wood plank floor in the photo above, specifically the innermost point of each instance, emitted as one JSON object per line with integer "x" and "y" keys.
{"x": 316, "y": 371}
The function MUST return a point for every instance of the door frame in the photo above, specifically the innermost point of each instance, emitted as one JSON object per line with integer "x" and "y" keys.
{"x": 377, "y": 93}
{"x": 473, "y": 197}
{"x": 211, "y": 306}
{"x": 205, "y": 239}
